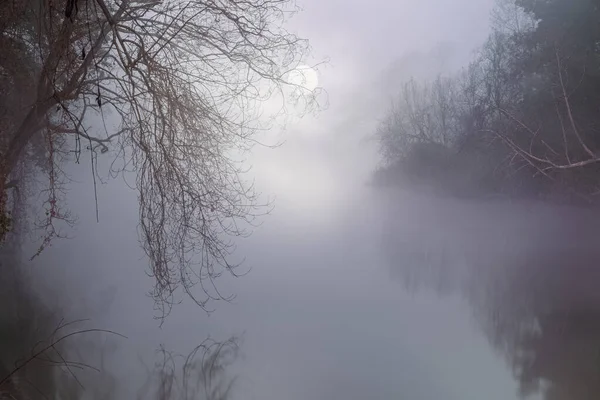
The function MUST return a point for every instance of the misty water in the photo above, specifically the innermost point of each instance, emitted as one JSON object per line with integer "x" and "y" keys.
{"x": 347, "y": 290}
{"x": 394, "y": 294}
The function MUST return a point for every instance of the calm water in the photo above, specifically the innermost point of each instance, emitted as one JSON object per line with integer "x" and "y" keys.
{"x": 391, "y": 296}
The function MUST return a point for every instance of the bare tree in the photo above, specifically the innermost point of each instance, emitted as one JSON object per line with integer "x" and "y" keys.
{"x": 420, "y": 114}
{"x": 557, "y": 150}
{"x": 509, "y": 17}
{"x": 173, "y": 88}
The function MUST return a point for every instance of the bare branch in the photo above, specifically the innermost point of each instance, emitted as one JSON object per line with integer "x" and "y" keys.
{"x": 568, "y": 106}
{"x": 184, "y": 83}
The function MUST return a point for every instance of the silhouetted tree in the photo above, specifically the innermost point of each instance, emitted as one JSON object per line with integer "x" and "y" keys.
{"x": 182, "y": 82}
{"x": 524, "y": 113}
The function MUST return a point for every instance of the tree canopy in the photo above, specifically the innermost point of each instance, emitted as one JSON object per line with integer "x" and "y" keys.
{"x": 172, "y": 89}
{"x": 521, "y": 119}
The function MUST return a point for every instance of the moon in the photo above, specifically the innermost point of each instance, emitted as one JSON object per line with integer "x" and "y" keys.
{"x": 304, "y": 76}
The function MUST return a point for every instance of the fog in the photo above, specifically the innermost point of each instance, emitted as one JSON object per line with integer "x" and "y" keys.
{"x": 327, "y": 305}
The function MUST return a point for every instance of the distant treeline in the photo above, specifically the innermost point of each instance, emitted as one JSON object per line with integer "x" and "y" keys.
{"x": 521, "y": 120}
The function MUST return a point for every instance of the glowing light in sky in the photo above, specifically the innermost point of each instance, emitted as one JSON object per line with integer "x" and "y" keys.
{"x": 304, "y": 76}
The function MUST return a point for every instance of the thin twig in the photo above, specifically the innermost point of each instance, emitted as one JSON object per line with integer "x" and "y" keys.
{"x": 51, "y": 345}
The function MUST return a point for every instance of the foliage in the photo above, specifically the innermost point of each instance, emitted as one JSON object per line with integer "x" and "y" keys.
{"x": 523, "y": 113}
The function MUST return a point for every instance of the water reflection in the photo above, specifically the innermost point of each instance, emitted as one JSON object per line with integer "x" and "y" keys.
{"x": 543, "y": 312}
{"x": 533, "y": 290}
{"x": 47, "y": 352}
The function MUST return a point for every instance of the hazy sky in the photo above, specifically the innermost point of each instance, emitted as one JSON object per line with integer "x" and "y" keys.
{"x": 370, "y": 46}
{"x": 320, "y": 316}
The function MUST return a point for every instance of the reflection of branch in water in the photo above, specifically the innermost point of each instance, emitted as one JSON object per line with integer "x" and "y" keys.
{"x": 39, "y": 354}
{"x": 202, "y": 374}
{"x": 426, "y": 265}
{"x": 45, "y": 356}
{"x": 541, "y": 310}
{"x": 538, "y": 304}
